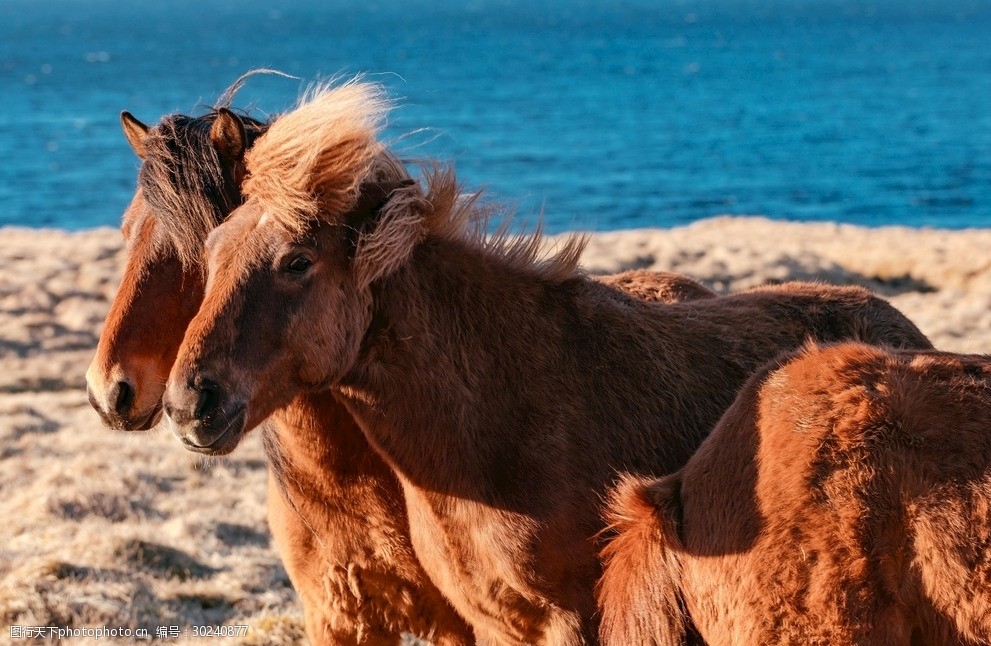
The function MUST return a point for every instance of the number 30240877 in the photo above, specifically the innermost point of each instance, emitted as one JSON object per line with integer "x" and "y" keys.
{"x": 220, "y": 631}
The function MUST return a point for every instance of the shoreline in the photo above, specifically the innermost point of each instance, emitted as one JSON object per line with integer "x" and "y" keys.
{"x": 840, "y": 224}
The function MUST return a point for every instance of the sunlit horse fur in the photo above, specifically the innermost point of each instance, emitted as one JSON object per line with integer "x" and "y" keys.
{"x": 357, "y": 585}
{"x": 843, "y": 499}
{"x": 505, "y": 391}
{"x": 324, "y": 475}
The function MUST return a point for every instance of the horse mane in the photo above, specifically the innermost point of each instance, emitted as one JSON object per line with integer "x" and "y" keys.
{"x": 311, "y": 166}
{"x": 456, "y": 215}
{"x": 183, "y": 180}
{"x": 312, "y": 161}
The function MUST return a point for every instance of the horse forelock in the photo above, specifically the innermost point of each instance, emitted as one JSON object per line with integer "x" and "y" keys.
{"x": 311, "y": 162}
{"x": 183, "y": 179}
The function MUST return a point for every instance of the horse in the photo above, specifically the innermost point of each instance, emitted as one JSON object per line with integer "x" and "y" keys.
{"x": 324, "y": 478}
{"x": 506, "y": 390}
{"x": 188, "y": 182}
{"x": 844, "y": 498}
{"x": 356, "y": 585}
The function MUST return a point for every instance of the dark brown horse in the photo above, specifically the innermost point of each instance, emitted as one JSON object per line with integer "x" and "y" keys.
{"x": 505, "y": 391}
{"x": 844, "y": 498}
{"x": 327, "y": 487}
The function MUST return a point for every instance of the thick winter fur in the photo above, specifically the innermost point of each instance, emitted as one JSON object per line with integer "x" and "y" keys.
{"x": 643, "y": 283}
{"x": 505, "y": 391}
{"x": 844, "y": 498}
{"x": 335, "y": 509}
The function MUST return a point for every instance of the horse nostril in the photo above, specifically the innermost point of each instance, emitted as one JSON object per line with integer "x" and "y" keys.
{"x": 207, "y": 400}
{"x": 122, "y": 396}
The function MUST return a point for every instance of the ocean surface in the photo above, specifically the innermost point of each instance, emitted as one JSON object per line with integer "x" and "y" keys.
{"x": 590, "y": 115}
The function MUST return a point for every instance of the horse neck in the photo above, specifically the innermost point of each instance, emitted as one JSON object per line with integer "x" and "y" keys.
{"x": 429, "y": 361}
{"x": 316, "y": 445}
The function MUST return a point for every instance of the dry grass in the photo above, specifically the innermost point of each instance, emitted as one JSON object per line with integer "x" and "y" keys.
{"x": 113, "y": 529}
{"x": 109, "y": 529}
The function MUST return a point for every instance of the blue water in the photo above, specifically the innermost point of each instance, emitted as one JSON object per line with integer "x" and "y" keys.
{"x": 648, "y": 113}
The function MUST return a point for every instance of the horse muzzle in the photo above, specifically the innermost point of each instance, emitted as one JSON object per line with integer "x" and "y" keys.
{"x": 116, "y": 408}
{"x": 203, "y": 419}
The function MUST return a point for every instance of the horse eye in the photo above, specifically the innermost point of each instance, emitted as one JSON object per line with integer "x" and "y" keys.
{"x": 299, "y": 265}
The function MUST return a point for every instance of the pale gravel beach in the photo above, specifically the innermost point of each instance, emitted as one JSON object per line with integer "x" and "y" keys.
{"x": 130, "y": 530}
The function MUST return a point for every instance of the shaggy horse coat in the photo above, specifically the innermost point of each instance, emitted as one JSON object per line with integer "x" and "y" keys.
{"x": 505, "y": 391}
{"x": 326, "y": 486}
{"x": 844, "y": 498}
{"x": 335, "y": 509}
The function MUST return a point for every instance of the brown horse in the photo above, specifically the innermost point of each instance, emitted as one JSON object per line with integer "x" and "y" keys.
{"x": 324, "y": 476}
{"x": 844, "y": 498}
{"x": 356, "y": 585}
{"x": 189, "y": 182}
{"x": 505, "y": 391}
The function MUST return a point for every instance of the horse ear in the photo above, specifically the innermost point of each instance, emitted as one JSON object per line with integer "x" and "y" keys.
{"x": 135, "y": 131}
{"x": 387, "y": 219}
{"x": 228, "y": 136}
{"x": 371, "y": 198}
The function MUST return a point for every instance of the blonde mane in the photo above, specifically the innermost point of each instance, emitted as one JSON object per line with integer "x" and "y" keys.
{"x": 457, "y": 215}
{"x": 312, "y": 161}
{"x": 311, "y": 165}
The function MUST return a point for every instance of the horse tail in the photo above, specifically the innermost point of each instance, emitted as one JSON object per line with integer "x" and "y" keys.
{"x": 640, "y": 591}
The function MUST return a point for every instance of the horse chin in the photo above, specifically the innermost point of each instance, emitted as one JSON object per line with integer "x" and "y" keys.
{"x": 132, "y": 423}
{"x": 147, "y": 421}
{"x": 224, "y": 443}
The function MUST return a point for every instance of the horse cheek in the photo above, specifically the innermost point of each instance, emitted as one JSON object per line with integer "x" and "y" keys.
{"x": 331, "y": 341}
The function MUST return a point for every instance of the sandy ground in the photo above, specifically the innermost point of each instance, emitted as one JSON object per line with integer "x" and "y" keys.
{"x": 131, "y": 531}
